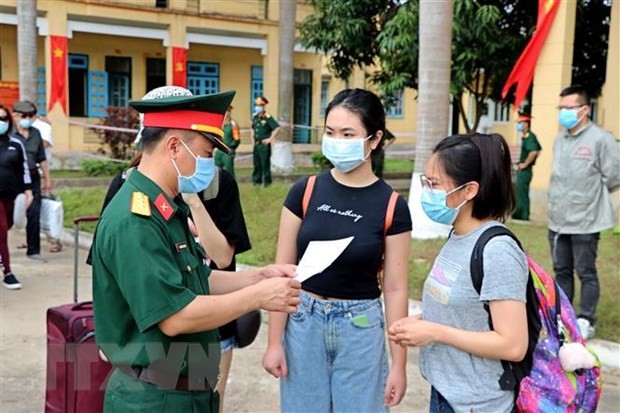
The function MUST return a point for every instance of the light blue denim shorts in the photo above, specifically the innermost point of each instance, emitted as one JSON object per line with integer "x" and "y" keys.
{"x": 336, "y": 357}
{"x": 228, "y": 344}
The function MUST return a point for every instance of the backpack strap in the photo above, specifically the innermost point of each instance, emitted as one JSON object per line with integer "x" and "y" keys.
{"x": 389, "y": 215}
{"x": 389, "y": 219}
{"x": 513, "y": 372}
{"x": 476, "y": 265}
{"x": 307, "y": 195}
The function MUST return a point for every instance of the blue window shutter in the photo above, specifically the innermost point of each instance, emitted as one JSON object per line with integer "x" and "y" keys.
{"x": 41, "y": 97}
{"x": 97, "y": 94}
{"x": 203, "y": 78}
{"x": 257, "y": 84}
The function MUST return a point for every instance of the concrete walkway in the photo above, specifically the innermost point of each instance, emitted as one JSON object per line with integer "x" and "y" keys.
{"x": 23, "y": 344}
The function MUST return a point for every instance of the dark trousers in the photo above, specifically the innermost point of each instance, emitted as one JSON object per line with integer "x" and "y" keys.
{"x": 33, "y": 225}
{"x": 262, "y": 164}
{"x": 6, "y": 222}
{"x": 577, "y": 253}
{"x": 522, "y": 190}
{"x": 438, "y": 403}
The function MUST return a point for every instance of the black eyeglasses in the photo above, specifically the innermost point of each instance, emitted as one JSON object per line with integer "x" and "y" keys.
{"x": 4, "y": 118}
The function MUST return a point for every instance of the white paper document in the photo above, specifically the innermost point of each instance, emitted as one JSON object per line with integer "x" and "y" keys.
{"x": 319, "y": 255}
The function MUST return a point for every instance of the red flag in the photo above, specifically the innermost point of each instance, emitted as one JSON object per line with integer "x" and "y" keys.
{"x": 179, "y": 66}
{"x": 58, "y": 89}
{"x": 523, "y": 72}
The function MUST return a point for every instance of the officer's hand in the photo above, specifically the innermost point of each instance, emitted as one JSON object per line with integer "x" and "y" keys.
{"x": 278, "y": 270}
{"x": 278, "y": 294}
{"x": 274, "y": 361}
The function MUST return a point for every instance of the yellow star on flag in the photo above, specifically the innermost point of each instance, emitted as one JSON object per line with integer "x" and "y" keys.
{"x": 58, "y": 52}
{"x": 178, "y": 67}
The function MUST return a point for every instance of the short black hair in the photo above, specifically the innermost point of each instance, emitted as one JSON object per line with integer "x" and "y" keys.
{"x": 151, "y": 136}
{"x": 579, "y": 90}
{"x": 484, "y": 159}
{"x": 9, "y": 120}
{"x": 364, "y": 103}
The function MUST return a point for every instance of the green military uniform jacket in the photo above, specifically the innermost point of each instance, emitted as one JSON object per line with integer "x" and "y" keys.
{"x": 529, "y": 144}
{"x": 146, "y": 267}
{"x": 263, "y": 124}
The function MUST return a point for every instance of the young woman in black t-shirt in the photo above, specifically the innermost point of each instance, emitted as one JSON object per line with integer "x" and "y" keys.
{"x": 331, "y": 354}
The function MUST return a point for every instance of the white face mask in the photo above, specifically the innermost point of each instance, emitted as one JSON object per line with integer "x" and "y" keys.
{"x": 345, "y": 154}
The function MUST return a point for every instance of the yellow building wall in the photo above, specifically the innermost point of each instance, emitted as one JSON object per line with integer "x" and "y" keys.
{"x": 8, "y": 52}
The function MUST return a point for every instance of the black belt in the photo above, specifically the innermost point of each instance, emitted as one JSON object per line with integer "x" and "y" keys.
{"x": 165, "y": 380}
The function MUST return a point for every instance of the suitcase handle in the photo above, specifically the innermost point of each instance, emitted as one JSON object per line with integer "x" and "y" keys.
{"x": 86, "y": 305}
{"x": 76, "y": 227}
{"x": 87, "y": 218}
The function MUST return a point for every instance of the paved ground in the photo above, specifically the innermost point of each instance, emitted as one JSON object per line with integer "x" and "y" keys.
{"x": 22, "y": 345}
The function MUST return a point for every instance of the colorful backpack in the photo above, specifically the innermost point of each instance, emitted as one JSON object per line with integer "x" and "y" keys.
{"x": 540, "y": 382}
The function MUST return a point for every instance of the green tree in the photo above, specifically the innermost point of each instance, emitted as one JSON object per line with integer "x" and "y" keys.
{"x": 591, "y": 44}
{"x": 488, "y": 35}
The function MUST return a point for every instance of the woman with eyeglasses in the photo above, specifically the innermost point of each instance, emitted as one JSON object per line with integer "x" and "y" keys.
{"x": 14, "y": 179}
{"x": 330, "y": 355}
{"x": 467, "y": 184}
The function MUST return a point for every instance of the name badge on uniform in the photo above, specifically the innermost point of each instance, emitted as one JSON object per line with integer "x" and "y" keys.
{"x": 180, "y": 246}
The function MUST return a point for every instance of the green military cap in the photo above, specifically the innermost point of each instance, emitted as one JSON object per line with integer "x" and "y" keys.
{"x": 201, "y": 113}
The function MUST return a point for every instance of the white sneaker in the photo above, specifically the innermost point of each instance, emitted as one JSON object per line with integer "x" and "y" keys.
{"x": 587, "y": 330}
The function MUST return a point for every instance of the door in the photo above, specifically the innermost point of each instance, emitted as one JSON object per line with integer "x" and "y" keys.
{"x": 302, "y": 105}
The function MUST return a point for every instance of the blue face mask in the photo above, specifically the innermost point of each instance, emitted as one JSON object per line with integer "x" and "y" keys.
{"x": 25, "y": 123}
{"x": 202, "y": 177}
{"x": 519, "y": 127}
{"x": 344, "y": 154}
{"x": 569, "y": 118}
{"x": 258, "y": 109}
{"x": 434, "y": 205}
{"x": 4, "y": 126}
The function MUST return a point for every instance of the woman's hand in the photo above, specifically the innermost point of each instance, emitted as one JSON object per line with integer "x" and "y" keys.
{"x": 274, "y": 361}
{"x": 396, "y": 386}
{"x": 29, "y": 197}
{"x": 413, "y": 331}
{"x": 278, "y": 270}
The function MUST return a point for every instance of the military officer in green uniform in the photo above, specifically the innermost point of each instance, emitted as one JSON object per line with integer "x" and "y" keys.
{"x": 529, "y": 152}
{"x": 264, "y": 131}
{"x": 157, "y": 304}
{"x": 232, "y": 139}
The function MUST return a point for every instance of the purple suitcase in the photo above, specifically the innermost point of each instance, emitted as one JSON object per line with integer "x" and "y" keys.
{"x": 76, "y": 375}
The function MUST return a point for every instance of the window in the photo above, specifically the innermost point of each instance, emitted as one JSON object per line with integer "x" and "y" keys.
{"x": 161, "y": 4}
{"x": 203, "y": 78}
{"x": 119, "y": 80}
{"x": 41, "y": 100}
{"x": 257, "y": 85}
{"x": 594, "y": 109}
{"x": 499, "y": 112}
{"x": 78, "y": 81}
{"x": 155, "y": 73}
{"x": 396, "y": 109}
{"x": 324, "y": 96}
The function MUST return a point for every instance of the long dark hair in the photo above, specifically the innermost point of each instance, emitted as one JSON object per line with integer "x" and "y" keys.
{"x": 10, "y": 120}
{"x": 365, "y": 104}
{"x": 484, "y": 159}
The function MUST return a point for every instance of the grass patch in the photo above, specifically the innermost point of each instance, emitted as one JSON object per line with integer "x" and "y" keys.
{"x": 262, "y": 207}
{"x": 68, "y": 173}
{"x": 398, "y": 165}
{"x": 79, "y": 202}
